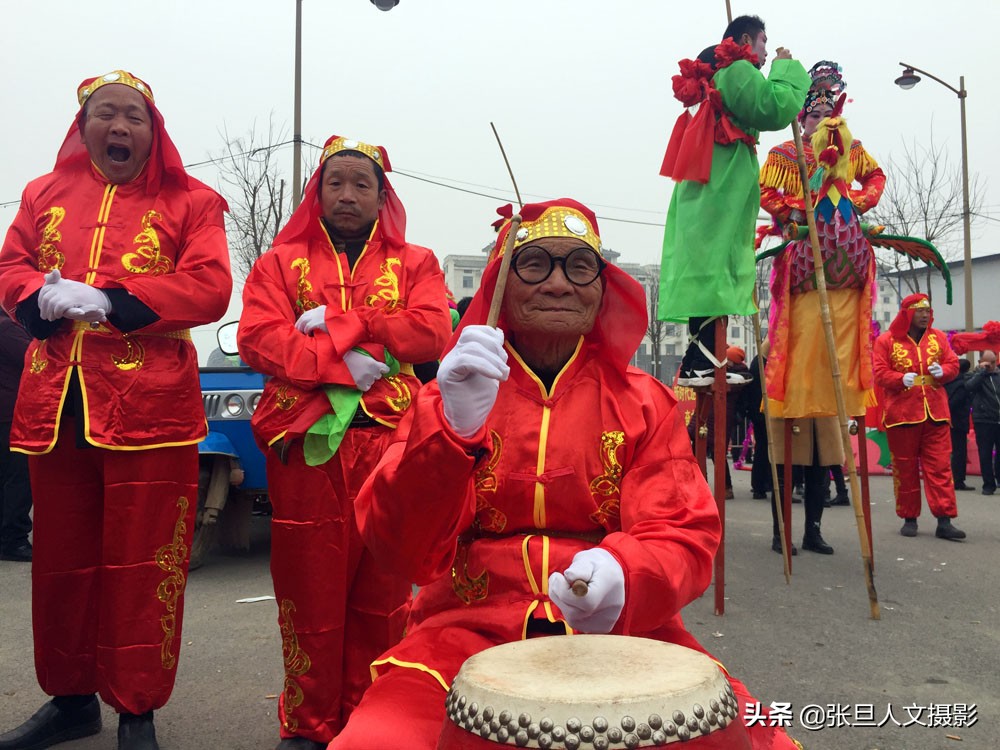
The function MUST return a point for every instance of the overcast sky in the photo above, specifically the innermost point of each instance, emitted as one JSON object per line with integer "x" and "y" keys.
{"x": 579, "y": 90}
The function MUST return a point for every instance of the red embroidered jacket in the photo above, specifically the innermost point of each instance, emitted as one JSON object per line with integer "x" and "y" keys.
{"x": 926, "y": 398}
{"x": 395, "y": 299}
{"x": 167, "y": 250}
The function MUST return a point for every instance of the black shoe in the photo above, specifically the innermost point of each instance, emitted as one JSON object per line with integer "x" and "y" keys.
{"x": 842, "y": 498}
{"x": 136, "y": 732}
{"x": 815, "y": 543}
{"x": 776, "y": 546}
{"x": 827, "y": 502}
{"x": 17, "y": 552}
{"x": 909, "y": 527}
{"x": 963, "y": 486}
{"x": 946, "y": 531}
{"x": 300, "y": 743}
{"x": 759, "y": 495}
{"x": 51, "y": 725}
{"x": 989, "y": 490}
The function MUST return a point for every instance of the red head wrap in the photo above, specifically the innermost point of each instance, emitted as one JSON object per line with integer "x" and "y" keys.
{"x": 900, "y": 325}
{"x": 164, "y": 160}
{"x": 391, "y": 217}
{"x": 621, "y": 321}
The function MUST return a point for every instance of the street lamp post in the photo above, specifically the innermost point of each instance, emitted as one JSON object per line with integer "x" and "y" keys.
{"x": 908, "y": 80}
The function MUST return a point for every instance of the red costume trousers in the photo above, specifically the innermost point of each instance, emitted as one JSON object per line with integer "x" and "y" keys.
{"x": 927, "y": 446}
{"x": 112, "y": 534}
{"x": 337, "y": 611}
{"x": 404, "y": 710}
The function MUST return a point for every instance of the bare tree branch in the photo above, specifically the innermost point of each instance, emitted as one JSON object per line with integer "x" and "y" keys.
{"x": 251, "y": 182}
{"x": 923, "y": 198}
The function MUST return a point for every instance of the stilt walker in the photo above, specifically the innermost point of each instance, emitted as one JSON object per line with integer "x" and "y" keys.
{"x": 709, "y": 227}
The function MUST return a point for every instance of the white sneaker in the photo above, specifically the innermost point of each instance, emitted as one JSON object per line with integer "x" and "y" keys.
{"x": 696, "y": 378}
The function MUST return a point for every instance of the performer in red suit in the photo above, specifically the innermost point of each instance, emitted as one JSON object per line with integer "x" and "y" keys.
{"x": 913, "y": 361}
{"x": 111, "y": 258}
{"x": 538, "y": 456}
{"x": 338, "y": 300}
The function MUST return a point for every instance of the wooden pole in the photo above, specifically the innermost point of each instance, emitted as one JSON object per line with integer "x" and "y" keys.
{"x": 866, "y": 504}
{"x": 720, "y": 460}
{"x": 831, "y": 349}
{"x": 786, "y": 557}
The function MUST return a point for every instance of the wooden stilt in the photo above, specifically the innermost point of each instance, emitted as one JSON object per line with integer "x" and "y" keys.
{"x": 866, "y": 503}
{"x": 720, "y": 450}
{"x": 785, "y": 517}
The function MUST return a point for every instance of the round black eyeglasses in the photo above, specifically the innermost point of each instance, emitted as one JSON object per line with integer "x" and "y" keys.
{"x": 580, "y": 266}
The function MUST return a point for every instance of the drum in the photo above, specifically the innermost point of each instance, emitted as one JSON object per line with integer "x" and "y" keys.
{"x": 591, "y": 691}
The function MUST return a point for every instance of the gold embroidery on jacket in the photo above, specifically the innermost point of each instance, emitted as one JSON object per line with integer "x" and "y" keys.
{"x": 933, "y": 349}
{"x": 282, "y": 400}
{"x": 49, "y": 257}
{"x": 170, "y": 558}
{"x": 489, "y": 518}
{"x": 608, "y": 484}
{"x": 134, "y": 357}
{"x": 900, "y": 361}
{"x": 389, "y": 293}
{"x": 37, "y": 363}
{"x": 401, "y": 397}
{"x": 303, "y": 287}
{"x": 147, "y": 258}
{"x": 297, "y": 663}
{"x": 467, "y": 588}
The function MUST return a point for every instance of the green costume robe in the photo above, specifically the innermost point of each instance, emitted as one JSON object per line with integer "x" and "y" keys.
{"x": 708, "y": 256}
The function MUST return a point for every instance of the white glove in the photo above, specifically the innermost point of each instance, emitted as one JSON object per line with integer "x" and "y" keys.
{"x": 312, "y": 319}
{"x": 65, "y": 298}
{"x": 598, "y": 610}
{"x": 936, "y": 370}
{"x": 908, "y": 379}
{"x": 469, "y": 378}
{"x": 364, "y": 369}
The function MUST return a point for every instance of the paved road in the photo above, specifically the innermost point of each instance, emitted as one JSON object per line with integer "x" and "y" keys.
{"x": 810, "y": 642}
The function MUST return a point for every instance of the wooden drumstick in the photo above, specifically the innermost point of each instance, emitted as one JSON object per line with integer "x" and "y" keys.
{"x": 579, "y": 587}
{"x": 501, "y": 286}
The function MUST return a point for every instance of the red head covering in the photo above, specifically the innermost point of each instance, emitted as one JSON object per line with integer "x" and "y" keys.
{"x": 900, "y": 325}
{"x": 164, "y": 160}
{"x": 621, "y": 322}
{"x": 391, "y": 217}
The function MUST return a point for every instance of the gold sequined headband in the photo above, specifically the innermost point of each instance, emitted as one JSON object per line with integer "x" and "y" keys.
{"x": 87, "y": 88}
{"x": 346, "y": 144}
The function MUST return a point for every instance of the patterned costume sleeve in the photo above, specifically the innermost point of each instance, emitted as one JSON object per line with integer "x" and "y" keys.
{"x": 870, "y": 175}
{"x": 780, "y": 185}
{"x": 269, "y": 342}
{"x": 197, "y": 290}
{"x": 670, "y": 524}
{"x": 886, "y": 375}
{"x": 415, "y": 332}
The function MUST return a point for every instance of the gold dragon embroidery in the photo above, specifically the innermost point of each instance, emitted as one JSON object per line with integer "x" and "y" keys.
{"x": 489, "y": 518}
{"x": 900, "y": 361}
{"x": 170, "y": 558}
{"x": 37, "y": 363}
{"x": 467, "y": 588}
{"x": 303, "y": 287}
{"x": 49, "y": 257}
{"x": 400, "y": 398}
{"x": 147, "y": 258}
{"x": 933, "y": 349}
{"x": 389, "y": 293}
{"x": 297, "y": 663}
{"x": 282, "y": 400}
{"x": 134, "y": 357}
{"x": 607, "y": 487}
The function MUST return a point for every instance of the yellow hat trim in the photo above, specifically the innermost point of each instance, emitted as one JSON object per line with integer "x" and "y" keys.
{"x": 919, "y": 304}
{"x": 559, "y": 221}
{"x": 115, "y": 76}
{"x": 347, "y": 144}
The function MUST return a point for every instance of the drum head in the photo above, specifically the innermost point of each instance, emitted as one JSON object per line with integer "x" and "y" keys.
{"x": 603, "y": 691}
